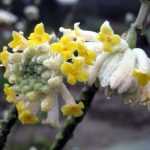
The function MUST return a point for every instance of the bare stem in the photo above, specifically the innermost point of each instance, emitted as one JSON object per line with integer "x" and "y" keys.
{"x": 135, "y": 32}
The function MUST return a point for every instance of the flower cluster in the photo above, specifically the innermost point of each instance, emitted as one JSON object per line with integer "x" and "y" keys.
{"x": 35, "y": 78}
{"x": 36, "y": 69}
{"x": 120, "y": 68}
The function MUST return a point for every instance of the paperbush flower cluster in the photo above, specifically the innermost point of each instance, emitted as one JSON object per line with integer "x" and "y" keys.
{"x": 38, "y": 67}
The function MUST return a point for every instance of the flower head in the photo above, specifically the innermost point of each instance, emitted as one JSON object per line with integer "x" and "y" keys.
{"x": 35, "y": 78}
{"x": 107, "y": 36}
{"x": 39, "y": 36}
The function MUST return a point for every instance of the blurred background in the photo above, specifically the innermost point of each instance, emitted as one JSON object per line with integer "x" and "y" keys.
{"x": 109, "y": 124}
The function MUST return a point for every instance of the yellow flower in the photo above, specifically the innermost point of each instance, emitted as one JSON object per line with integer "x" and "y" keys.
{"x": 20, "y": 105}
{"x": 10, "y": 94}
{"x": 74, "y": 70}
{"x": 18, "y": 42}
{"x": 74, "y": 110}
{"x": 142, "y": 78}
{"x": 65, "y": 46}
{"x": 26, "y": 117}
{"x": 39, "y": 36}
{"x": 4, "y": 56}
{"x": 107, "y": 36}
{"x": 88, "y": 55}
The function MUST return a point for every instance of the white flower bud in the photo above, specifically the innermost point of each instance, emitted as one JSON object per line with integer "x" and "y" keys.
{"x": 85, "y": 34}
{"x": 107, "y": 69}
{"x": 44, "y": 48}
{"x": 46, "y": 75}
{"x": 53, "y": 62}
{"x": 126, "y": 84}
{"x": 55, "y": 82}
{"x": 12, "y": 78}
{"x": 32, "y": 96}
{"x": 15, "y": 58}
{"x": 94, "y": 70}
{"x": 47, "y": 104}
{"x": 95, "y": 46}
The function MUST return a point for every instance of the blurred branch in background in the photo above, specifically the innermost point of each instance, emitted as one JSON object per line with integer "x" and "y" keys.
{"x": 136, "y": 36}
{"x": 6, "y": 125}
{"x": 141, "y": 24}
{"x": 70, "y": 17}
{"x": 142, "y": 16}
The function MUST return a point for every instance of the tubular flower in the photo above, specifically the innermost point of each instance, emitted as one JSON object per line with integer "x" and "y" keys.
{"x": 70, "y": 108}
{"x": 87, "y": 54}
{"x": 39, "y": 36}
{"x": 141, "y": 77}
{"x": 142, "y": 70}
{"x": 18, "y": 42}
{"x": 65, "y": 46}
{"x": 73, "y": 109}
{"x": 10, "y": 93}
{"x": 75, "y": 70}
{"x": 25, "y": 116}
{"x": 107, "y": 37}
{"x": 79, "y": 34}
{"x": 4, "y": 56}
